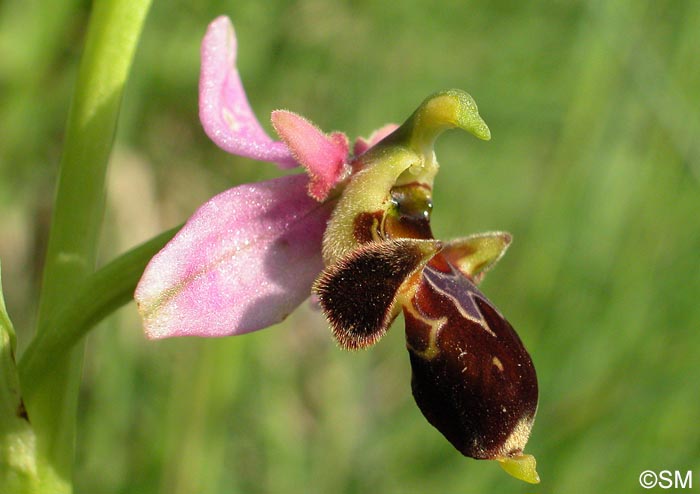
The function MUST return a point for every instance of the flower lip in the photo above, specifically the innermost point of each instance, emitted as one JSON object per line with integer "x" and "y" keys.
{"x": 360, "y": 293}
{"x": 472, "y": 377}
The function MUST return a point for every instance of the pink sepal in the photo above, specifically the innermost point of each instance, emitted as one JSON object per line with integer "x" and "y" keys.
{"x": 242, "y": 262}
{"x": 223, "y": 106}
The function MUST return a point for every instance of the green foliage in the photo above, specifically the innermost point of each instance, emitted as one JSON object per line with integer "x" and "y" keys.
{"x": 593, "y": 166}
{"x": 17, "y": 444}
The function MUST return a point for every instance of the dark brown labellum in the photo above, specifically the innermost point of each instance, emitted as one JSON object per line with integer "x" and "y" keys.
{"x": 472, "y": 377}
{"x": 358, "y": 293}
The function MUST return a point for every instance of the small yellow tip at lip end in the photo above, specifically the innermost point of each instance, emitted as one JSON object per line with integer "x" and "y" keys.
{"x": 521, "y": 467}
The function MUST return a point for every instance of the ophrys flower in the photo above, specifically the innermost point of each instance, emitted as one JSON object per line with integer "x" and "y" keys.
{"x": 359, "y": 225}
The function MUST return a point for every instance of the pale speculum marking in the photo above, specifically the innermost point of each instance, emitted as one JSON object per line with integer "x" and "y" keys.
{"x": 463, "y": 299}
{"x": 435, "y": 325}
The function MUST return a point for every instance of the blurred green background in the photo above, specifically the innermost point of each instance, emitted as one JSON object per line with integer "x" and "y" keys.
{"x": 594, "y": 166}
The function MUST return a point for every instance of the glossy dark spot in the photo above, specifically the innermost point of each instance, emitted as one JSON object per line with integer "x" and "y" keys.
{"x": 409, "y": 216}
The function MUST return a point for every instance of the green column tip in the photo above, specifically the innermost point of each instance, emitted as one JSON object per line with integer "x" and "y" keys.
{"x": 440, "y": 111}
{"x": 452, "y": 108}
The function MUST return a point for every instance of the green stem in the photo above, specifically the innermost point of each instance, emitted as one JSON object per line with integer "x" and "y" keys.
{"x": 51, "y": 399}
{"x": 102, "y": 293}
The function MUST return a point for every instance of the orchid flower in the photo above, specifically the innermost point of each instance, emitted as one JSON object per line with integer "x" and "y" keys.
{"x": 355, "y": 231}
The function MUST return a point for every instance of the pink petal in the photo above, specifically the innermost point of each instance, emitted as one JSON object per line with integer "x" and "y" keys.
{"x": 323, "y": 156}
{"x": 242, "y": 262}
{"x": 223, "y": 106}
{"x": 362, "y": 144}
